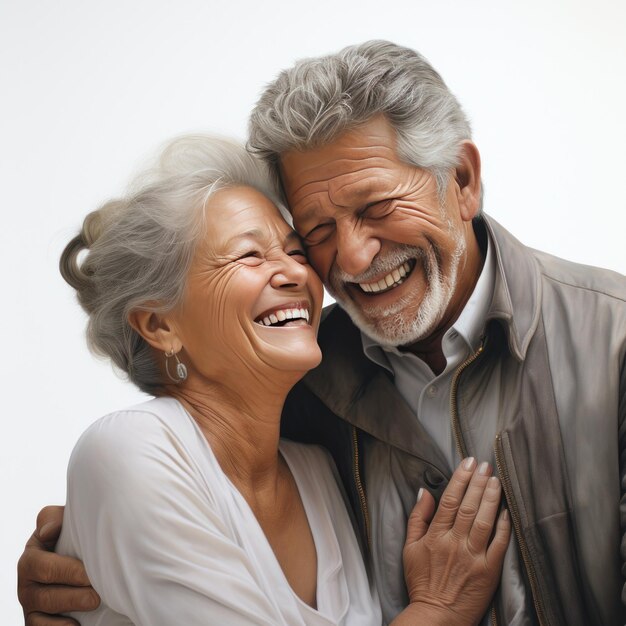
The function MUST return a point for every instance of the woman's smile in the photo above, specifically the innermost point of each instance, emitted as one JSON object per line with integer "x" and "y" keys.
{"x": 286, "y": 315}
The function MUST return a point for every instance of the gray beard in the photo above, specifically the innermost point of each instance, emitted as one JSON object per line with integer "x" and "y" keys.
{"x": 401, "y": 323}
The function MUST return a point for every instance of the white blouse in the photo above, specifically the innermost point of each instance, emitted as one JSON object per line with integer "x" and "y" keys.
{"x": 167, "y": 539}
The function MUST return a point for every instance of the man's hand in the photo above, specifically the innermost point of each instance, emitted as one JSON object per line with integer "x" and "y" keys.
{"x": 452, "y": 564}
{"x": 48, "y": 583}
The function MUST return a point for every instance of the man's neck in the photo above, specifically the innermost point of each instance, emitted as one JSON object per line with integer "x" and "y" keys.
{"x": 430, "y": 349}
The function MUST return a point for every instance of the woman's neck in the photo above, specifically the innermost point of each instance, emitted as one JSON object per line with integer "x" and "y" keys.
{"x": 242, "y": 425}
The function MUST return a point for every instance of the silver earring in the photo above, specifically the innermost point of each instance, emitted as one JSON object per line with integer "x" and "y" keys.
{"x": 181, "y": 370}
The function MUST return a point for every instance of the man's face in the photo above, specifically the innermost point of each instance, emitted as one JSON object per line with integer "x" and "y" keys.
{"x": 386, "y": 248}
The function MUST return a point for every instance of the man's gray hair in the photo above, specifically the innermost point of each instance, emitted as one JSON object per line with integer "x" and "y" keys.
{"x": 316, "y": 100}
{"x": 134, "y": 252}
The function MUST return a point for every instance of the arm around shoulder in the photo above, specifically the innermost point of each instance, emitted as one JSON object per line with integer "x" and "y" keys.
{"x": 48, "y": 583}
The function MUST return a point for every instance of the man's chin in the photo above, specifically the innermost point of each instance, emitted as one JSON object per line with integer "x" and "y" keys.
{"x": 389, "y": 327}
{"x": 392, "y": 332}
{"x": 389, "y": 338}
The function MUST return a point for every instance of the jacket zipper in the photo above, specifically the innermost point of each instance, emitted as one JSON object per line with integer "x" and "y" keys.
{"x": 458, "y": 435}
{"x": 359, "y": 486}
{"x": 456, "y": 426}
{"x": 521, "y": 542}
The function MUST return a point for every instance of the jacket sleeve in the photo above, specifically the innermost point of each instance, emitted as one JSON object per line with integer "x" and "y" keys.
{"x": 622, "y": 462}
{"x": 156, "y": 543}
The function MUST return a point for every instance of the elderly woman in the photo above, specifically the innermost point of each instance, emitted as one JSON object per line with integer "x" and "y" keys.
{"x": 188, "y": 508}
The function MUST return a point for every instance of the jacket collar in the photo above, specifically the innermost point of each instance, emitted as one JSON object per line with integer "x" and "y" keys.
{"x": 517, "y": 291}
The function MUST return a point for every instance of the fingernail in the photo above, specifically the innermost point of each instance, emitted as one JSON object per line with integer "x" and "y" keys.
{"x": 46, "y": 528}
{"x": 468, "y": 463}
{"x": 483, "y": 468}
{"x": 88, "y": 602}
{"x": 505, "y": 515}
{"x": 492, "y": 483}
{"x": 420, "y": 493}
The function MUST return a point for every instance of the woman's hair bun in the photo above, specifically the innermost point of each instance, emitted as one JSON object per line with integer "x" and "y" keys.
{"x": 73, "y": 269}
{"x": 69, "y": 266}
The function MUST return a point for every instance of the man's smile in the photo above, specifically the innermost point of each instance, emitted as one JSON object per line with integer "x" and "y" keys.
{"x": 390, "y": 281}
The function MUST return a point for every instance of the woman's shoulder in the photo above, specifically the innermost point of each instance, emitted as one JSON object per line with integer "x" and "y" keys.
{"x": 152, "y": 416}
{"x": 137, "y": 437}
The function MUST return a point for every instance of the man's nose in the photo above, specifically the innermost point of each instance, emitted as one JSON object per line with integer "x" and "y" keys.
{"x": 356, "y": 248}
{"x": 289, "y": 272}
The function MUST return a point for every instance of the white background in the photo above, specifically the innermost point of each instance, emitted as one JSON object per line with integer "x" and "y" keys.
{"x": 88, "y": 89}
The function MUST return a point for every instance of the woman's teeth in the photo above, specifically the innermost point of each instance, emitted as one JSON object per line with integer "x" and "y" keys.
{"x": 393, "y": 279}
{"x": 283, "y": 315}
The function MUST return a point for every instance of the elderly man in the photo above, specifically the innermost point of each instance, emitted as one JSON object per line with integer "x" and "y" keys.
{"x": 451, "y": 338}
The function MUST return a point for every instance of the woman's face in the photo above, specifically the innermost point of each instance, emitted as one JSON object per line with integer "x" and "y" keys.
{"x": 252, "y": 302}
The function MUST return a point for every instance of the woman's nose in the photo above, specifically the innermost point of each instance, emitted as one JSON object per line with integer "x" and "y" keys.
{"x": 290, "y": 272}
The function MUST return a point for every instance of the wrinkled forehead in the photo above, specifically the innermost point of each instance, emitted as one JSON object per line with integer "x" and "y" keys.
{"x": 347, "y": 167}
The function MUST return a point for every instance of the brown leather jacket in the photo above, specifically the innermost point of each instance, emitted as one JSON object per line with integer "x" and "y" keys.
{"x": 555, "y": 343}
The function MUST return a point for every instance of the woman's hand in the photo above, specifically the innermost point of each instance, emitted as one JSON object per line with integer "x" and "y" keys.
{"x": 452, "y": 564}
{"x": 48, "y": 583}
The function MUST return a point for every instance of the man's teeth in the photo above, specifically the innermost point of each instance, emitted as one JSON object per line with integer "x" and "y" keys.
{"x": 284, "y": 315}
{"x": 393, "y": 279}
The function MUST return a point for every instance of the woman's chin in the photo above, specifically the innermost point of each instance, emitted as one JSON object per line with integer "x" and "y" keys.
{"x": 299, "y": 362}
{"x": 291, "y": 347}
{"x": 297, "y": 356}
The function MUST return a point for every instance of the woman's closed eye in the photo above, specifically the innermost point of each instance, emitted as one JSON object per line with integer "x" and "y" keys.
{"x": 255, "y": 257}
{"x": 300, "y": 255}
{"x": 251, "y": 257}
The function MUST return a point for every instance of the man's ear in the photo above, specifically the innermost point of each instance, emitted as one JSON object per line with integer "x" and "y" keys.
{"x": 156, "y": 329}
{"x": 467, "y": 177}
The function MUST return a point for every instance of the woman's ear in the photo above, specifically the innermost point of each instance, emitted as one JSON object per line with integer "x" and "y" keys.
{"x": 467, "y": 177}
{"x": 156, "y": 329}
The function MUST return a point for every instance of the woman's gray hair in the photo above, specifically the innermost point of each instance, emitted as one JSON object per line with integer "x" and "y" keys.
{"x": 140, "y": 247}
{"x": 317, "y": 99}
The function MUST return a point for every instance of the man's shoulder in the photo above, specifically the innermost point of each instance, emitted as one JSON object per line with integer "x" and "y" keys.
{"x": 577, "y": 276}
{"x": 523, "y": 266}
